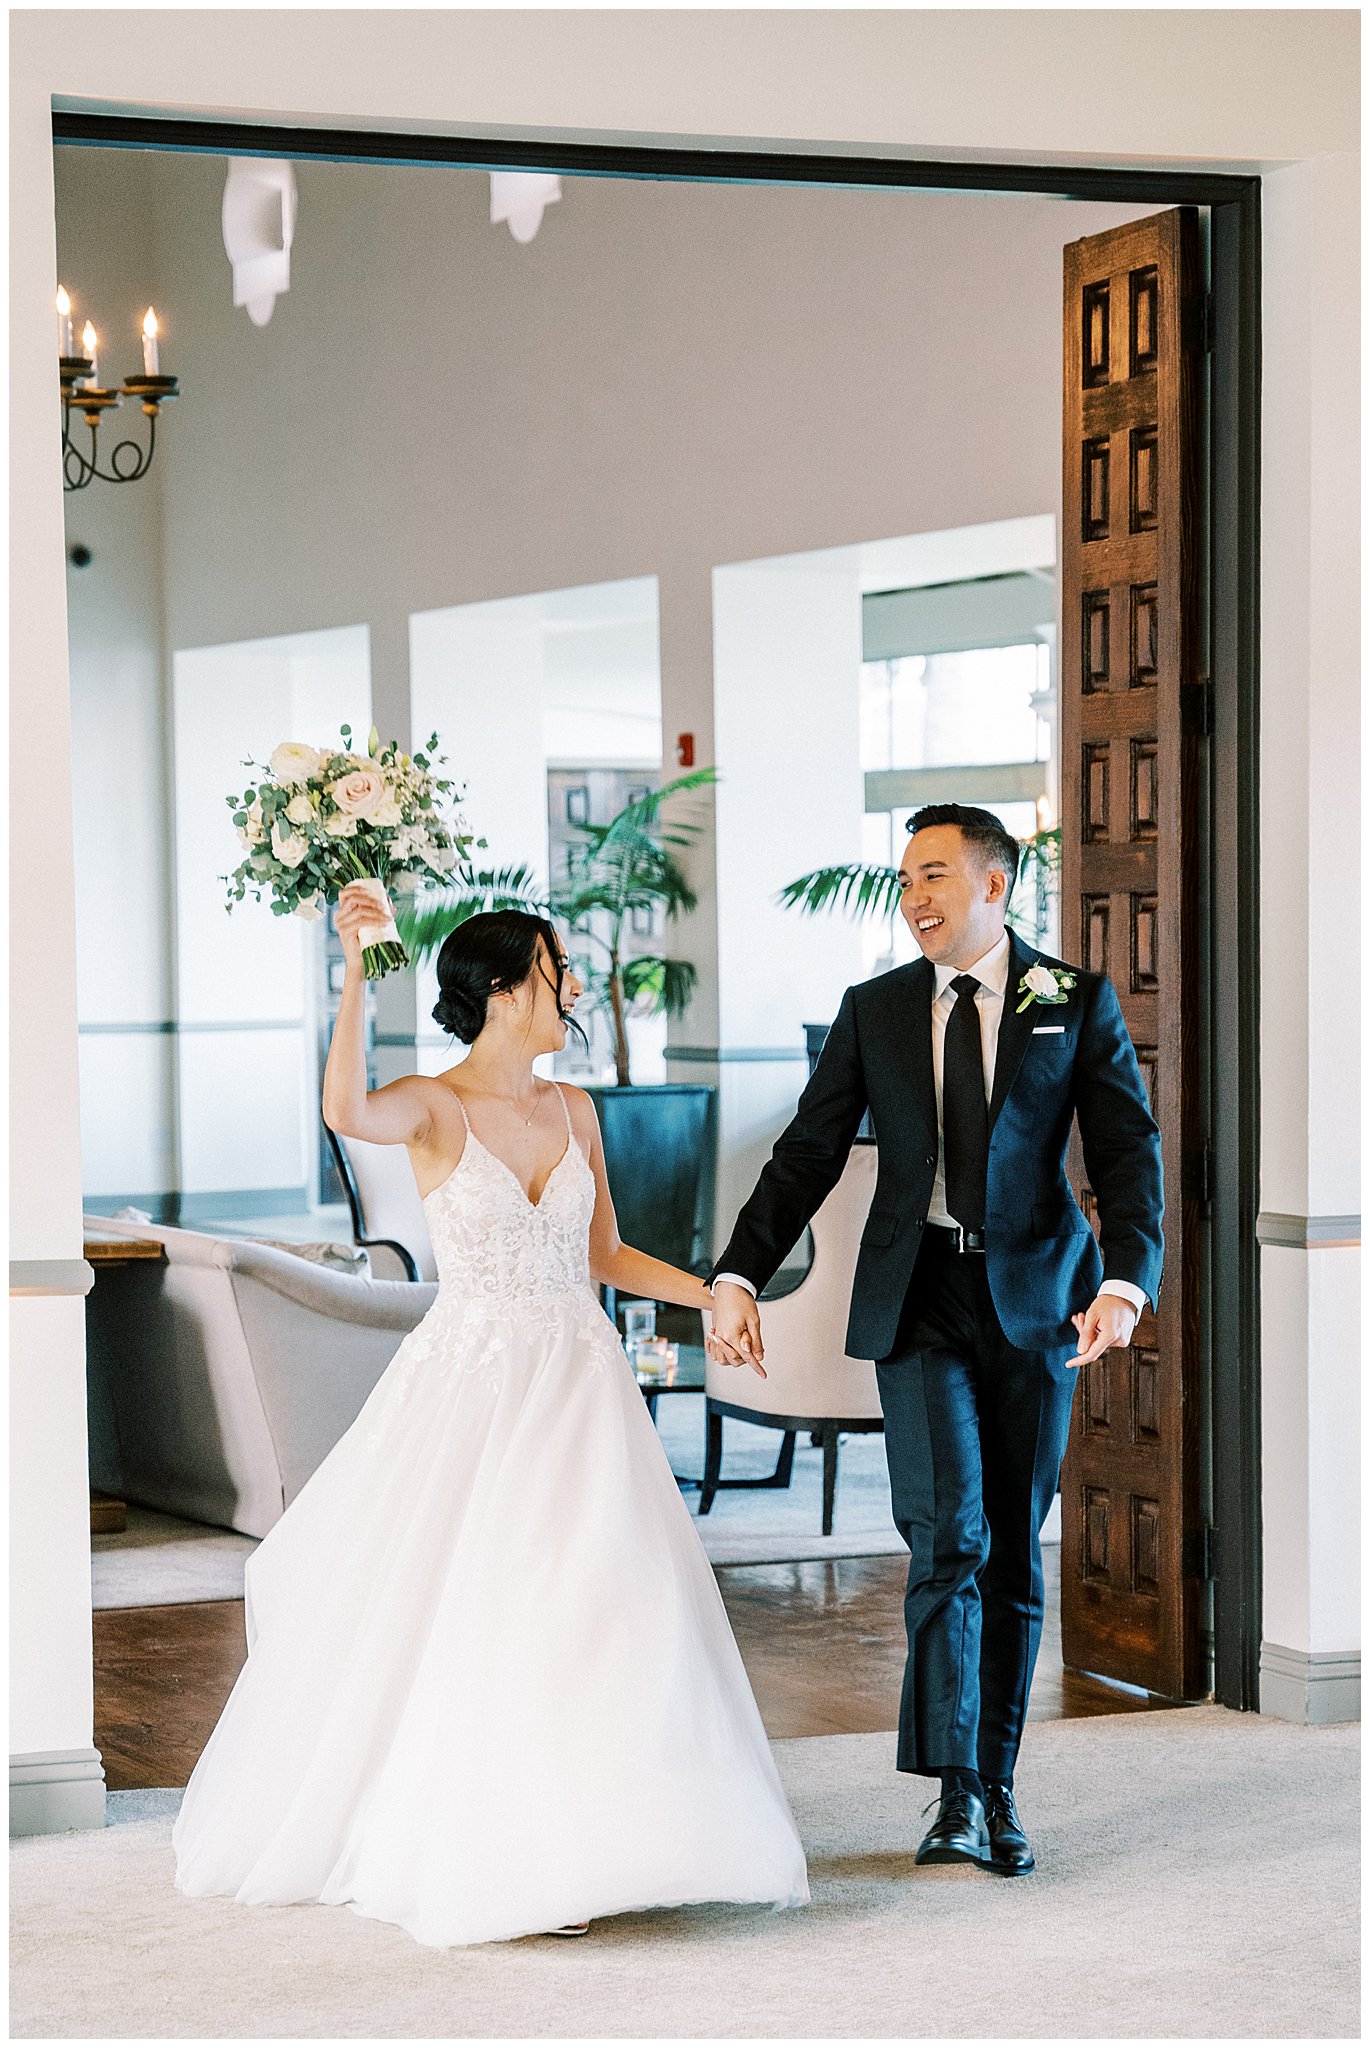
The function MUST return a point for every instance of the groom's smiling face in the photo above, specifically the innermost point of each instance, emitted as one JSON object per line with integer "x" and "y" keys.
{"x": 952, "y": 903}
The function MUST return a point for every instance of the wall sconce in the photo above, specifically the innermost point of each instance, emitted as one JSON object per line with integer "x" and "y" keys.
{"x": 83, "y": 392}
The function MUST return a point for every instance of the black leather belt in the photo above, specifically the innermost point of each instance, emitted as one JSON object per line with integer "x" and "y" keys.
{"x": 953, "y": 1238}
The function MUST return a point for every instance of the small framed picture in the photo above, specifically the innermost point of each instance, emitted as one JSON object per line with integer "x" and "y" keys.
{"x": 578, "y": 805}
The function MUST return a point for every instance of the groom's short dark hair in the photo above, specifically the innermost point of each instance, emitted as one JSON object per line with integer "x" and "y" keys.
{"x": 994, "y": 843}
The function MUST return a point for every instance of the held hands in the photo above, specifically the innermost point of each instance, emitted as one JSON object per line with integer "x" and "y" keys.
{"x": 1107, "y": 1321}
{"x": 359, "y": 905}
{"x": 735, "y": 1338}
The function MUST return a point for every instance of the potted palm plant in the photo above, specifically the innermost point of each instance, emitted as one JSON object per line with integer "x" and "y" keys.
{"x": 657, "y": 1137}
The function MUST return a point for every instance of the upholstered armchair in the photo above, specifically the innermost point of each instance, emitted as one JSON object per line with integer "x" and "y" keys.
{"x": 219, "y": 1378}
{"x": 811, "y": 1384}
{"x": 387, "y": 1215}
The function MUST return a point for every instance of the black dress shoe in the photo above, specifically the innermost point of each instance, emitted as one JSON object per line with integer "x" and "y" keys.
{"x": 1009, "y": 1852}
{"x": 959, "y": 1833}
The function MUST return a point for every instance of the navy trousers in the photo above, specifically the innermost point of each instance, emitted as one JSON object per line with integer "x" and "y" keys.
{"x": 975, "y": 1431}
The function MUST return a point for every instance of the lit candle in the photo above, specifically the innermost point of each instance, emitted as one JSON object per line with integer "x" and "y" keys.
{"x": 89, "y": 338}
{"x": 63, "y": 321}
{"x": 150, "y": 343}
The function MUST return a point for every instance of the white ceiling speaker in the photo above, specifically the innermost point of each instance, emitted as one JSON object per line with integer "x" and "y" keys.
{"x": 259, "y": 227}
{"x": 519, "y": 197}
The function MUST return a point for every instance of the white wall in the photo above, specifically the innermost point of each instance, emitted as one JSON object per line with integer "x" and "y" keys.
{"x": 1106, "y": 86}
{"x": 1310, "y": 708}
{"x": 120, "y": 720}
{"x": 787, "y": 665}
{"x": 247, "y": 982}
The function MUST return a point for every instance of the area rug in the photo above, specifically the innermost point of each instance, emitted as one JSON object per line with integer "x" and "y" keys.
{"x": 1197, "y": 1879}
{"x": 160, "y": 1561}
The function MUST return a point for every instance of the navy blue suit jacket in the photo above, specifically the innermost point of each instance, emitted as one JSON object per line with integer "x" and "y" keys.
{"x": 1044, "y": 1263}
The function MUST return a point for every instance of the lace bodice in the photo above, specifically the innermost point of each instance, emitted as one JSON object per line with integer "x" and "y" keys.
{"x": 493, "y": 1246}
{"x": 510, "y": 1271}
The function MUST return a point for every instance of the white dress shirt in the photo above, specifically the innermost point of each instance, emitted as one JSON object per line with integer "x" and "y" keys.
{"x": 991, "y": 970}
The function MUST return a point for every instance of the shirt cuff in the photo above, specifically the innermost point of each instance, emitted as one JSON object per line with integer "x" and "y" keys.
{"x": 1125, "y": 1288}
{"x": 735, "y": 1279}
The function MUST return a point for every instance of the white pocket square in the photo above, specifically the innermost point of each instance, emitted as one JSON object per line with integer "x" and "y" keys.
{"x": 1040, "y": 1030}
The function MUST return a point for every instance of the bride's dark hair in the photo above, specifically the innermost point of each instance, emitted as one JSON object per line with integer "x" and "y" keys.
{"x": 485, "y": 955}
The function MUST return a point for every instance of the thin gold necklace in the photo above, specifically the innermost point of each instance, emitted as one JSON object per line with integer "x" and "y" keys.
{"x": 526, "y": 1120}
{"x": 537, "y": 1099}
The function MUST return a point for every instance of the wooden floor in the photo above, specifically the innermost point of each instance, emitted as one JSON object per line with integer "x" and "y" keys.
{"x": 823, "y": 1644}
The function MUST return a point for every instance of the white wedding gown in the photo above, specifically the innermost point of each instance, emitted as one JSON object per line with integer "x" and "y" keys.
{"x": 491, "y": 1687}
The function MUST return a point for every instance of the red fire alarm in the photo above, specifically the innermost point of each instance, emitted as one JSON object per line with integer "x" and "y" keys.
{"x": 685, "y": 749}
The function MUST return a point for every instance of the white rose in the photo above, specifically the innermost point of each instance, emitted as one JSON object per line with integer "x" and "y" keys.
{"x": 360, "y": 793}
{"x": 404, "y": 883}
{"x": 310, "y": 908}
{"x": 387, "y": 811}
{"x": 1040, "y": 980}
{"x": 293, "y": 762}
{"x": 340, "y": 825}
{"x": 300, "y": 809}
{"x": 287, "y": 846}
{"x": 443, "y": 858}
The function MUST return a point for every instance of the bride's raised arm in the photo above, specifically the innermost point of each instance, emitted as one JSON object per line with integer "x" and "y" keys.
{"x": 396, "y": 1114}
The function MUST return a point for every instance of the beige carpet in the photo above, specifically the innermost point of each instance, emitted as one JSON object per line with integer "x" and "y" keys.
{"x": 1198, "y": 1878}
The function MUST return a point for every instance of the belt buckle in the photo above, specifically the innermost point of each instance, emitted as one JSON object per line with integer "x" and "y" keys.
{"x": 961, "y": 1246}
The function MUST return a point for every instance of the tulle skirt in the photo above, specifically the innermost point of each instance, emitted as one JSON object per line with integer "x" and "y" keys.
{"x": 491, "y": 1687}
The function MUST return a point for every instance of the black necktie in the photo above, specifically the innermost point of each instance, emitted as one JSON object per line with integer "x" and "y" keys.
{"x": 965, "y": 1117}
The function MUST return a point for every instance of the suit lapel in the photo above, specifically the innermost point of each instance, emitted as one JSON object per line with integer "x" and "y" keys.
{"x": 911, "y": 1044}
{"x": 1014, "y": 1029}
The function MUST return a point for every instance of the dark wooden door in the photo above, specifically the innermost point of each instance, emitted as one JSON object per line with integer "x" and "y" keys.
{"x": 1132, "y": 750}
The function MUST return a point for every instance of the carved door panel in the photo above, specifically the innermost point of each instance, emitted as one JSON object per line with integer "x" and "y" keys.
{"x": 1131, "y": 806}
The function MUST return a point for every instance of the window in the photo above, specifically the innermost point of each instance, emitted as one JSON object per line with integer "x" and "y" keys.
{"x": 964, "y": 724}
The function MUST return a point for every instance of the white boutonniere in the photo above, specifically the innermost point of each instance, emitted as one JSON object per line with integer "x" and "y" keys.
{"x": 1044, "y": 985}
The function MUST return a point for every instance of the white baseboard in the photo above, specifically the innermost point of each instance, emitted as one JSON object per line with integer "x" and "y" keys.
{"x": 53, "y": 1791}
{"x": 1316, "y": 1687}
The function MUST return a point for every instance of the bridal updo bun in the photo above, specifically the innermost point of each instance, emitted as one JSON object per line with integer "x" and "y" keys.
{"x": 483, "y": 956}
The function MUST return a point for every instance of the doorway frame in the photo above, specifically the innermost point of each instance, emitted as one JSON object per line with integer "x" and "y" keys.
{"x": 1231, "y": 1423}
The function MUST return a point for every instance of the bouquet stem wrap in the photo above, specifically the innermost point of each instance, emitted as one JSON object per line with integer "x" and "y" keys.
{"x": 382, "y": 948}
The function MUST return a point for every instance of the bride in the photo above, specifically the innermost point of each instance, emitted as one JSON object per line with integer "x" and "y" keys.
{"x": 491, "y": 1689}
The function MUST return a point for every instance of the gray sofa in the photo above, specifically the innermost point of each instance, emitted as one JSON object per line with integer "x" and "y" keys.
{"x": 219, "y": 1379}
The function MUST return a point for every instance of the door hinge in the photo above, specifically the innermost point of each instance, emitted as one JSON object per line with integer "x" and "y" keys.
{"x": 1198, "y": 1553}
{"x": 1196, "y": 708}
{"x": 1196, "y": 324}
{"x": 1201, "y": 1179}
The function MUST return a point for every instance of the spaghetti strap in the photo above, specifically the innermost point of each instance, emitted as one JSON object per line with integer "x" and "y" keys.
{"x": 464, "y": 1117}
{"x": 570, "y": 1134}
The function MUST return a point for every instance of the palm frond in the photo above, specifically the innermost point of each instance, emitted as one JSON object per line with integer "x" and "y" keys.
{"x": 423, "y": 921}
{"x": 857, "y": 890}
{"x": 645, "y": 812}
{"x": 670, "y": 983}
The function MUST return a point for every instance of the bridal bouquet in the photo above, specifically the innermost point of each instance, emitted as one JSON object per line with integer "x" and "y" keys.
{"x": 316, "y": 818}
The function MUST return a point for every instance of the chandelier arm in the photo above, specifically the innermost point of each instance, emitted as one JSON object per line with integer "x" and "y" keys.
{"x": 142, "y": 460}
{"x": 117, "y": 473}
{"x": 85, "y": 471}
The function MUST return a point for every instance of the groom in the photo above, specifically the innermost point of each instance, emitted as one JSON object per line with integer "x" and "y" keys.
{"x": 980, "y": 1289}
